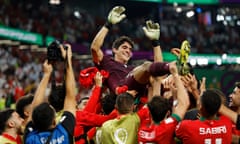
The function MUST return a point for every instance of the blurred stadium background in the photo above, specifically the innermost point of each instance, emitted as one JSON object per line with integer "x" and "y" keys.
{"x": 27, "y": 27}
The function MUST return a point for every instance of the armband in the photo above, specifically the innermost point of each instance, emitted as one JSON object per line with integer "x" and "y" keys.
{"x": 108, "y": 25}
{"x": 155, "y": 43}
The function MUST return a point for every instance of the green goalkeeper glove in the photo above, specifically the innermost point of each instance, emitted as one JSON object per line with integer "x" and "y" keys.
{"x": 116, "y": 15}
{"x": 152, "y": 30}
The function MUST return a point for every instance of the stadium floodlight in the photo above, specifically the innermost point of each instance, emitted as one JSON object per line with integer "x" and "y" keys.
{"x": 54, "y": 2}
{"x": 190, "y": 14}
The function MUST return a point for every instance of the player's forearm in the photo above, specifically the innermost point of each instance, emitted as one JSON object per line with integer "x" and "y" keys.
{"x": 40, "y": 92}
{"x": 93, "y": 100}
{"x": 182, "y": 97}
{"x": 230, "y": 114}
{"x": 195, "y": 93}
{"x": 70, "y": 102}
{"x": 70, "y": 80}
{"x": 157, "y": 51}
{"x": 97, "y": 43}
{"x": 99, "y": 39}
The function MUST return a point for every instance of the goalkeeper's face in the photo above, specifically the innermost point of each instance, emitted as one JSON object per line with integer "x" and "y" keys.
{"x": 123, "y": 53}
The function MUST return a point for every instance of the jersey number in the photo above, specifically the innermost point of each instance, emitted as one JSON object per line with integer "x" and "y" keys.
{"x": 209, "y": 141}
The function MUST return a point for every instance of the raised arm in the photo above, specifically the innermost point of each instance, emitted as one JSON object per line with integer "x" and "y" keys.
{"x": 69, "y": 102}
{"x": 182, "y": 96}
{"x": 230, "y": 114}
{"x": 191, "y": 84}
{"x": 114, "y": 17}
{"x": 40, "y": 92}
{"x": 94, "y": 99}
{"x": 152, "y": 31}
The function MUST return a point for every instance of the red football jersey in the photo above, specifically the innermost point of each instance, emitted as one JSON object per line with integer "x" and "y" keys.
{"x": 157, "y": 133}
{"x": 234, "y": 130}
{"x": 202, "y": 131}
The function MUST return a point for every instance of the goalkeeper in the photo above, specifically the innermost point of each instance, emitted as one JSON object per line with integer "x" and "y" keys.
{"x": 123, "y": 77}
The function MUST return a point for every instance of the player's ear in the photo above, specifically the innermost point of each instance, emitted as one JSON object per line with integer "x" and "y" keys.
{"x": 114, "y": 50}
{"x": 168, "y": 114}
{"x": 116, "y": 107}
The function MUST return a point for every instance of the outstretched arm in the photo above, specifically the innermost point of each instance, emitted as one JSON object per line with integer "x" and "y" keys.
{"x": 152, "y": 31}
{"x": 40, "y": 92}
{"x": 182, "y": 95}
{"x": 114, "y": 16}
{"x": 69, "y": 101}
{"x": 229, "y": 113}
{"x": 97, "y": 43}
{"x": 94, "y": 99}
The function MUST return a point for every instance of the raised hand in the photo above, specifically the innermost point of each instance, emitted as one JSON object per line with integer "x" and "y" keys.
{"x": 152, "y": 30}
{"x": 66, "y": 53}
{"x": 116, "y": 15}
{"x": 202, "y": 85}
{"x": 98, "y": 79}
{"x": 190, "y": 82}
{"x": 47, "y": 68}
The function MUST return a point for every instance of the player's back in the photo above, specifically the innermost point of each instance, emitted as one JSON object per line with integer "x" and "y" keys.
{"x": 203, "y": 131}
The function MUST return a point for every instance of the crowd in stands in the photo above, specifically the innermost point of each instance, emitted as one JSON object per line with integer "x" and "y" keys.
{"x": 61, "y": 23}
{"x": 21, "y": 72}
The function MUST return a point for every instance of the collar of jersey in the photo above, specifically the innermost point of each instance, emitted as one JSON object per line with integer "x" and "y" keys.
{"x": 203, "y": 118}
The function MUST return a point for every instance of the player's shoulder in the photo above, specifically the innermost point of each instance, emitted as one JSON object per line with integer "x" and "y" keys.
{"x": 188, "y": 123}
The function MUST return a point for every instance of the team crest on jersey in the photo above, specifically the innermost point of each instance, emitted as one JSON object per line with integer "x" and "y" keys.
{"x": 121, "y": 135}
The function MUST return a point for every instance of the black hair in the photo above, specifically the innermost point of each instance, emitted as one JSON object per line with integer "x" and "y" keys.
{"x": 108, "y": 103}
{"x": 237, "y": 84}
{"x": 81, "y": 99}
{"x": 124, "y": 103}
{"x": 211, "y": 102}
{"x": 57, "y": 96}
{"x": 22, "y": 103}
{"x": 121, "y": 40}
{"x": 4, "y": 116}
{"x": 158, "y": 107}
{"x": 43, "y": 116}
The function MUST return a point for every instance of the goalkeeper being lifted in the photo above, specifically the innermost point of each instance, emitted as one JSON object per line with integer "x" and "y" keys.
{"x": 123, "y": 77}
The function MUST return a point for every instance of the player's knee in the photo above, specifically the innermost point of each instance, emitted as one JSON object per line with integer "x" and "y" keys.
{"x": 146, "y": 65}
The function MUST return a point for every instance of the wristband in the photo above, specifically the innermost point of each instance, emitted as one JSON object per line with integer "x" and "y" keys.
{"x": 108, "y": 25}
{"x": 155, "y": 43}
{"x": 177, "y": 117}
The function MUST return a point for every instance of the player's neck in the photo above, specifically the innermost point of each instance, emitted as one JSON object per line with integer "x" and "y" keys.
{"x": 238, "y": 110}
{"x": 11, "y": 132}
{"x": 214, "y": 117}
{"x": 120, "y": 61}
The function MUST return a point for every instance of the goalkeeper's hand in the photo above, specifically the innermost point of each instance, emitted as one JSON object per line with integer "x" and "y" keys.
{"x": 116, "y": 15}
{"x": 152, "y": 30}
